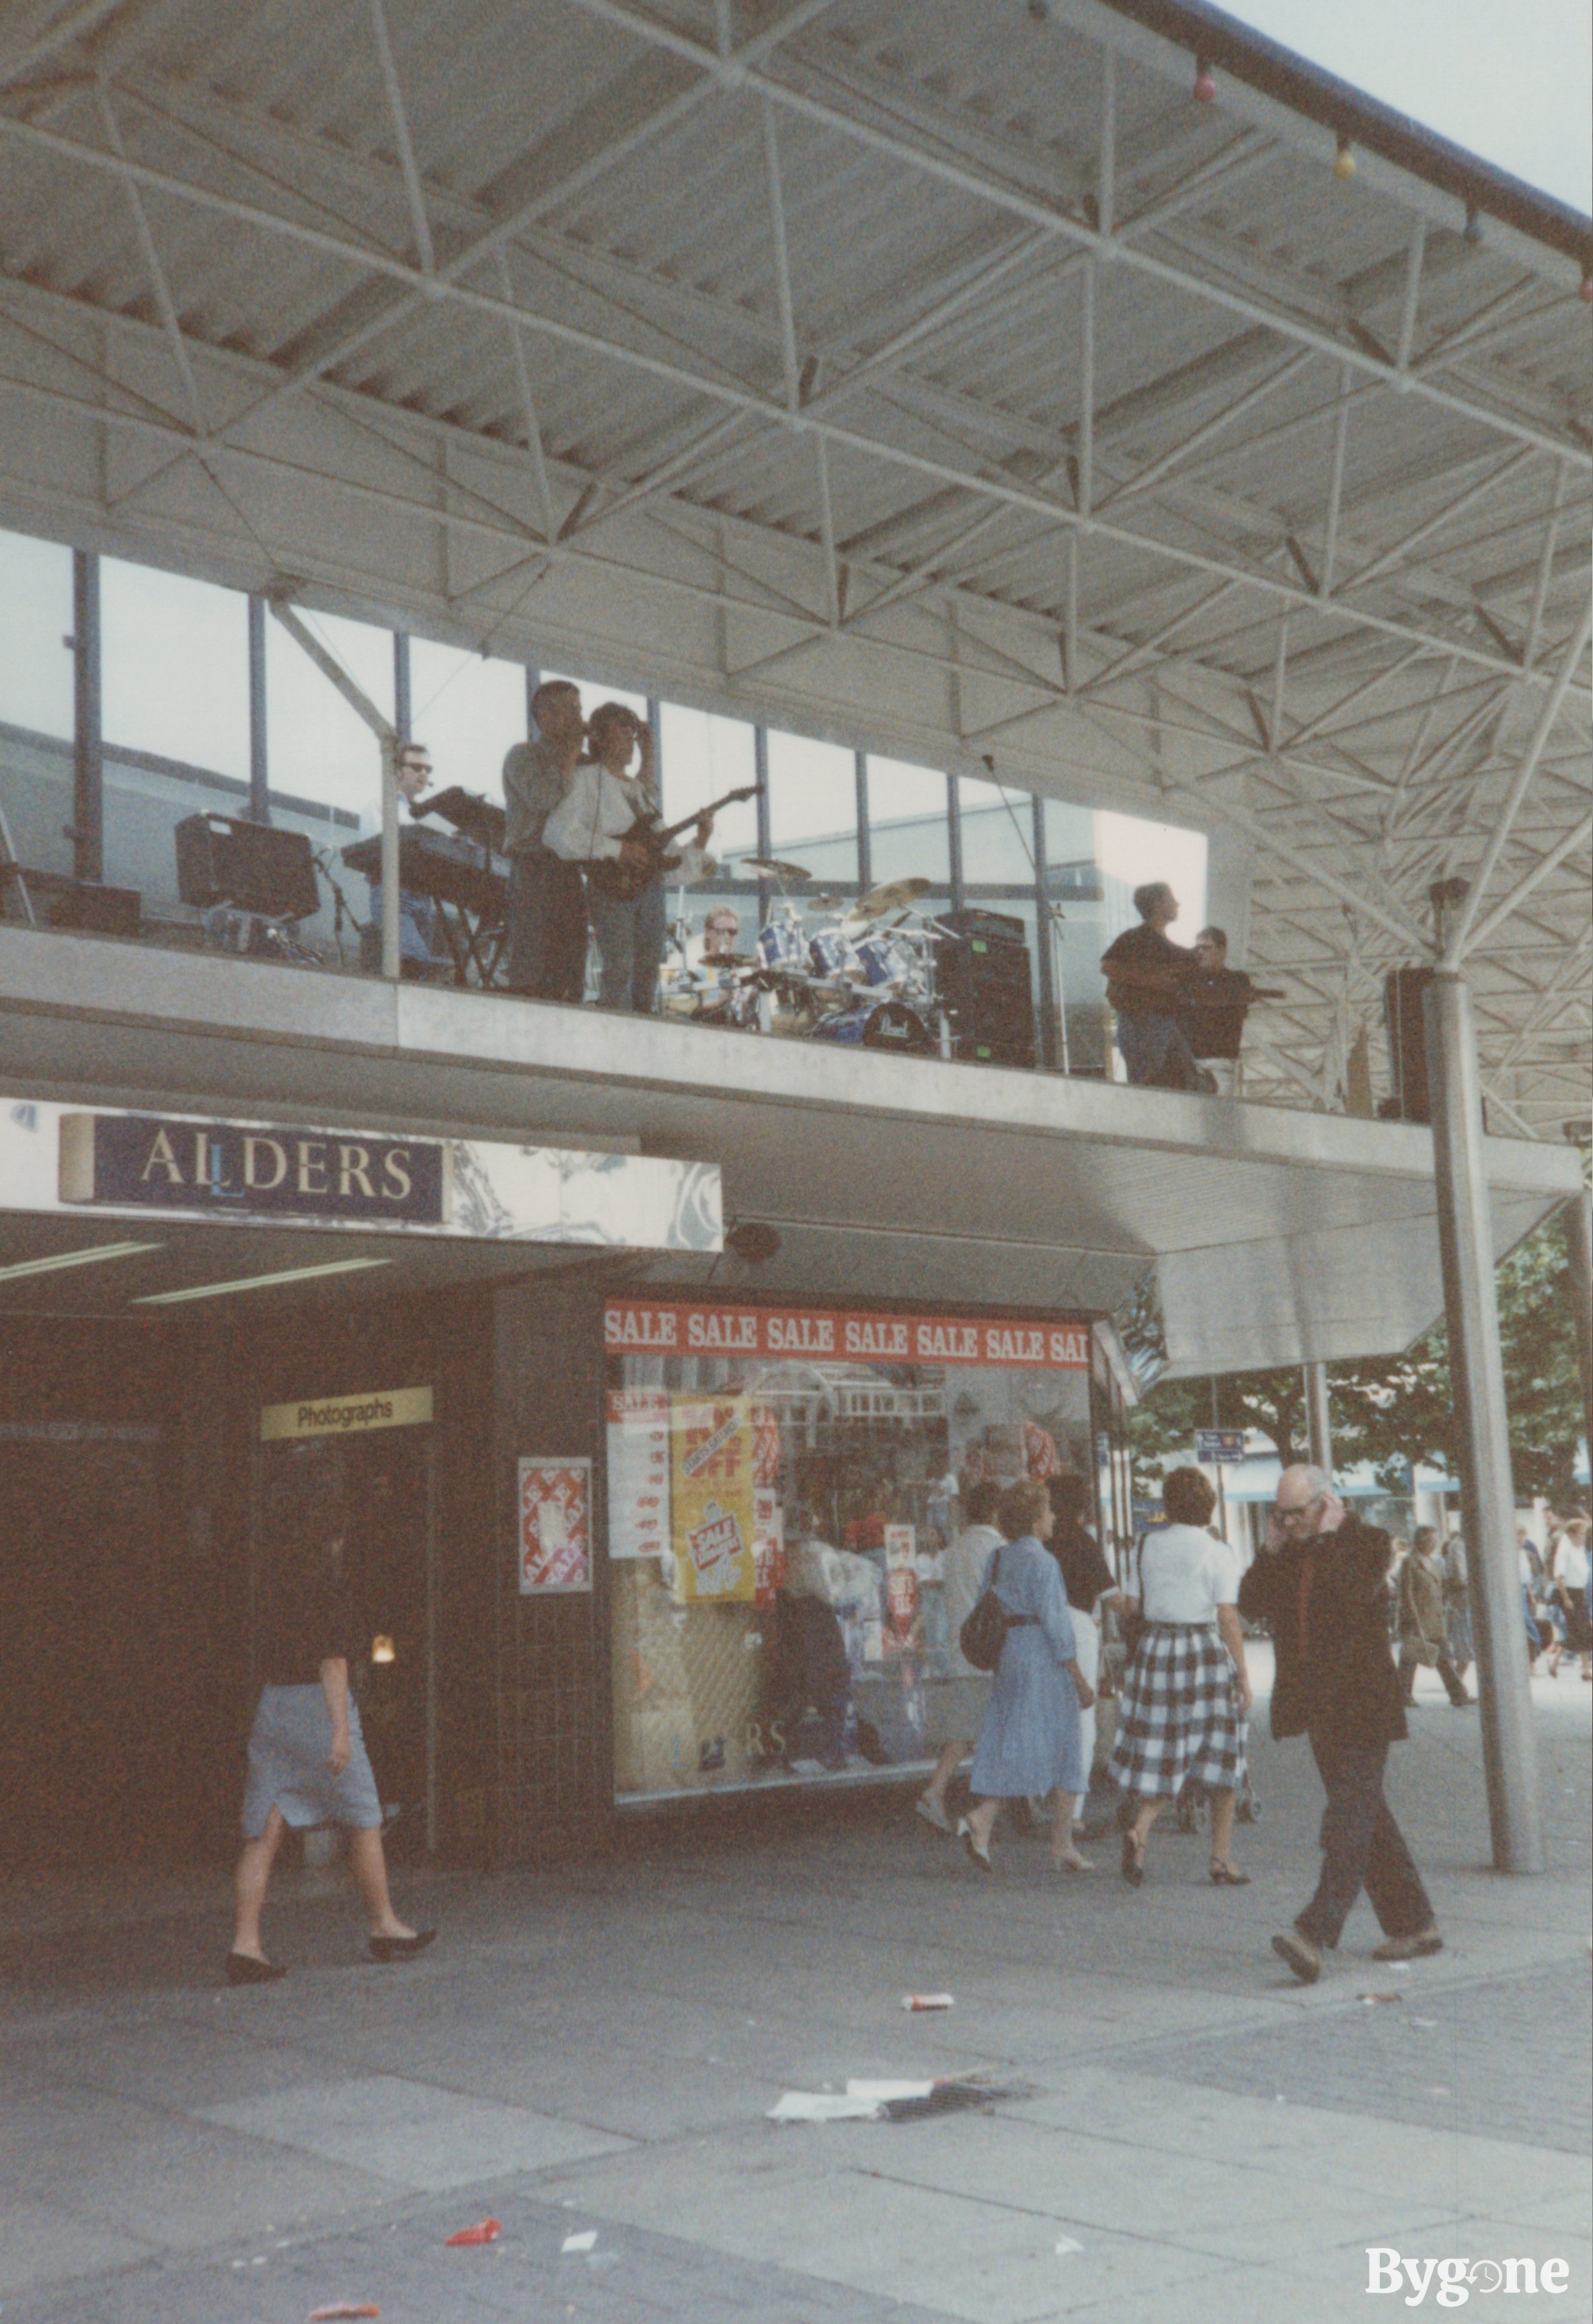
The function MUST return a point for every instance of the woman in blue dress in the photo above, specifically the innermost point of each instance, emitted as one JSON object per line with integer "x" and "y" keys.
{"x": 1030, "y": 1743}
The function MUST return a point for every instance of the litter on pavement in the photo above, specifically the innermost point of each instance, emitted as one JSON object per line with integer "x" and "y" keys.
{"x": 1065, "y": 2245}
{"x": 341, "y": 2308}
{"x": 583, "y": 2242}
{"x": 927, "y": 2001}
{"x": 892, "y": 2101}
{"x": 485, "y": 2231}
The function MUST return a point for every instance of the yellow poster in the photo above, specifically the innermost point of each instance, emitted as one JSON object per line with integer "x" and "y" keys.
{"x": 711, "y": 1498}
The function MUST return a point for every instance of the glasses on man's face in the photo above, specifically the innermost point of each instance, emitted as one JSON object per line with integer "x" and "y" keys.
{"x": 1301, "y": 1510}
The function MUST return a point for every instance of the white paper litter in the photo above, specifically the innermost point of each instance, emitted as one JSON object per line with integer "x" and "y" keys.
{"x": 583, "y": 2242}
{"x": 927, "y": 2001}
{"x": 1065, "y": 2245}
{"x": 822, "y": 2106}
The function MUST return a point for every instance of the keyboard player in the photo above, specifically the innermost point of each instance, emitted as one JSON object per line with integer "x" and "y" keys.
{"x": 417, "y": 955}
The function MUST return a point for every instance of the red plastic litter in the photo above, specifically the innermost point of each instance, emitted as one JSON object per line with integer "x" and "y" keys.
{"x": 343, "y": 2308}
{"x": 485, "y": 2231}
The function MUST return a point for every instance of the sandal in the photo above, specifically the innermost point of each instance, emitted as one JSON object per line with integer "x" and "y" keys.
{"x": 1133, "y": 1867}
{"x": 1229, "y": 1876}
{"x": 976, "y": 1854}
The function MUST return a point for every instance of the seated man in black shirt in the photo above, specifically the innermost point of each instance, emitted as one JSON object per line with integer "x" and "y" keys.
{"x": 1213, "y": 1004}
{"x": 1146, "y": 973}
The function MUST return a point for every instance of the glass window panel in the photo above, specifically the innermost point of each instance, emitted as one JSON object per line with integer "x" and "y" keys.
{"x": 1132, "y": 852}
{"x": 35, "y": 621}
{"x": 176, "y": 656}
{"x": 812, "y": 795}
{"x": 779, "y": 1531}
{"x": 703, "y": 757}
{"x": 908, "y": 830}
{"x": 319, "y": 748}
{"x": 467, "y": 712}
{"x": 997, "y": 837}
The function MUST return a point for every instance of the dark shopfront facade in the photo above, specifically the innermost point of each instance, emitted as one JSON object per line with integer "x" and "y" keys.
{"x": 575, "y": 1512}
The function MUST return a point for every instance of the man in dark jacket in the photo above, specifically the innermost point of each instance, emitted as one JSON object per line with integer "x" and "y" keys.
{"x": 1321, "y": 1584}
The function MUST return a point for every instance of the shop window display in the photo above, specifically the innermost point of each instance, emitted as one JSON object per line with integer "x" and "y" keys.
{"x": 781, "y": 1486}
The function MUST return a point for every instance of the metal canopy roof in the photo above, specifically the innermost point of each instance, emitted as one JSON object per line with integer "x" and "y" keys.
{"x": 941, "y": 378}
{"x": 1278, "y": 1237}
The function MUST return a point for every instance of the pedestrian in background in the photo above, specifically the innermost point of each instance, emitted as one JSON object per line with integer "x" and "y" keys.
{"x": 1185, "y": 1714}
{"x": 1029, "y": 1744}
{"x": 307, "y": 1762}
{"x": 1089, "y": 1584}
{"x": 1457, "y": 1604}
{"x": 958, "y": 1706}
{"x": 1423, "y": 1641}
{"x": 1568, "y": 1578}
{"x": 1321, "y": 1584}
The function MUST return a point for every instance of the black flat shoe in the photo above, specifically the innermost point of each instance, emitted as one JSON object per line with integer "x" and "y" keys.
{"x": 1133, "y": 1862}
{"x": 242, "y": 1969}
{"x": 397, "y": 1948}
{"x": 1223, "y": 1876}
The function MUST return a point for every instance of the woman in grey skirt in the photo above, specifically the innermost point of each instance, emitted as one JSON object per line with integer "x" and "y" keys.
{"x": 307, "y": 1763}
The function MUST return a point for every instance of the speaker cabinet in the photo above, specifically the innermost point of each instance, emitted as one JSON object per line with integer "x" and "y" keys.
{"x": 223, "y": 860}
{"x": 1404, "y": 994}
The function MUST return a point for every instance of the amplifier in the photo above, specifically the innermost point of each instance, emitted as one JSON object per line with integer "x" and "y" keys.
{"x": 1404, "y": 992}
{"x": 102, "y": 912}
{"x": 993, "y": 928}
{"x": 980, "y": 1049}
{"x": 973, "y": 966}
{"x": 223, "y": 860}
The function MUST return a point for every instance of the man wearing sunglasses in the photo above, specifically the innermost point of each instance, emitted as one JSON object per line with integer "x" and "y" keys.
{"x": 1321, "y": 1584}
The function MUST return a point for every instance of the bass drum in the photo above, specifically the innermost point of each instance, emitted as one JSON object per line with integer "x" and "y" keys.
{"x": 891, "y": 1025}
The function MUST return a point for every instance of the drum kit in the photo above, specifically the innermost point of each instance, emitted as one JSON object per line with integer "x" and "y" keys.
{"x": 860, "y": 975}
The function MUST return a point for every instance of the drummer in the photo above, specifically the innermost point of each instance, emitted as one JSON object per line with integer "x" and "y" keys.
{"x": 720, "y": 931}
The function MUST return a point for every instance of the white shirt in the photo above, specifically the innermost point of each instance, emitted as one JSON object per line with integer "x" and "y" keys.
{"x": 1571, "y": 1564}
{"x": 963, "y": 1574}
{"x": 1185, "y": 1575}
{"x": 596, "y": 815}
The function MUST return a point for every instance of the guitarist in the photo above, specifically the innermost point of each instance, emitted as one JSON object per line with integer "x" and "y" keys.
{"x": 607, "y": 800}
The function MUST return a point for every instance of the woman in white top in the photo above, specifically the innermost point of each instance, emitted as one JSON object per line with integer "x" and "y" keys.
{"x": 604, "y": 802}
{"x": 1186, "y": 1695}
{"x": 959, "y": 1701}
{"x": 1567, "y": 1581}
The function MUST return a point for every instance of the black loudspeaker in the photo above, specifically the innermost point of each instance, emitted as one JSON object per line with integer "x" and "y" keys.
{"x": 102, "y": 912}
{"x": 1405, "y": 995}
{"x": 984, "y": 983}
{"x": 253, "y": 866}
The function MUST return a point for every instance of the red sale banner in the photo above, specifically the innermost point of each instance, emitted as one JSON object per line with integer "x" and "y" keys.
{"x": 555, "y": 1526}
{"x": 676, "y": 1328}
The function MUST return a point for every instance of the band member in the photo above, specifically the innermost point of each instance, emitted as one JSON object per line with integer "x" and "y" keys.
{"x": 1213, "y": 1001}
{"x": 720, "y": 931}
{"x": 546, "y": 907}
{"x": 1146, "y": 973}
{"x": 607, "y": 798}
{"x": 418, "y": 960}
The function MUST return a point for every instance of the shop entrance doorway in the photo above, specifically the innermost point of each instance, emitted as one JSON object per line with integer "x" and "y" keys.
{"x": 380, "y": 1478}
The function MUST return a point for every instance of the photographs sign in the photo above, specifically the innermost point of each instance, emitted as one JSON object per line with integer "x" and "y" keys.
{"x": 554, "y": 1527}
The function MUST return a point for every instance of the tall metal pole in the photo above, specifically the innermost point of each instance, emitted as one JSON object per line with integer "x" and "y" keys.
{"x": 1477, "y": 1374}
{"x": 1319, "y": 1418}
{"x": 865, "y": 847}
{"x": 1578, "y": 1244}
{"x": 88, "y": 802}
{"x": 1045, "y": 965}
{"x": 259, "y": 763}
{"x": 391, "y": 940}
{"x": 765, "y": 843}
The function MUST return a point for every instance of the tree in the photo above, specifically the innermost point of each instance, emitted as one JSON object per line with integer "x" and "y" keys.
{"x": 1394, "y": 1412}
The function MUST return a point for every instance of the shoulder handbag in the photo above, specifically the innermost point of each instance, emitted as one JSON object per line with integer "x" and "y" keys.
{"x": 984, "y": 1633}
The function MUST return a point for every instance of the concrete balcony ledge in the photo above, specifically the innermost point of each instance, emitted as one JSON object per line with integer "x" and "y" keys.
{"x": 1278, "y": 1234}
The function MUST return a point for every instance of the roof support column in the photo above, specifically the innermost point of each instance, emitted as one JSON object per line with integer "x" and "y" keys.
{"x": 1578, "y": 1244}
{"x": 259, "y": 760}
{"x": 1319, "y": 1422}
{"x": 88, "y": 804}
{"x": 865, "y": 848}
{"x": 1509, "y": 1744}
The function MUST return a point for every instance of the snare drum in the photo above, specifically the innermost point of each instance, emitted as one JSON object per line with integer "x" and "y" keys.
{"x": 882, "y": 959}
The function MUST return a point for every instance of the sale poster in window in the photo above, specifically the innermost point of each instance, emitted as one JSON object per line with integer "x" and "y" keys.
{"x": 639, "y": 1472}
{"x": 713, "y": 1519}
{"x": 554, "y": 1527}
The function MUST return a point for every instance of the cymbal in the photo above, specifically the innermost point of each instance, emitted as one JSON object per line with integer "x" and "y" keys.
{"x": 770, "y": 867}
{"x": 894, "y": 897}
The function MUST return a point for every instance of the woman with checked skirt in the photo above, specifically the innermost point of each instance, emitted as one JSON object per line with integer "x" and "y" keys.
{"x": 1186, "y": 1704}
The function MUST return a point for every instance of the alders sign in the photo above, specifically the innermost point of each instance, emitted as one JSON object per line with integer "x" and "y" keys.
{"x": 166, "y": 1163}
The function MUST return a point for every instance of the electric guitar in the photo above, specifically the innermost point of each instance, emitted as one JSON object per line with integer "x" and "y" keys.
{"x": 623, "y": 881}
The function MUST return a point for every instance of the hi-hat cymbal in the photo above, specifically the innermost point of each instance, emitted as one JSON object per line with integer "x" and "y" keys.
{"x": 894, "y": 897}
{"x": 770, "y": 867}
